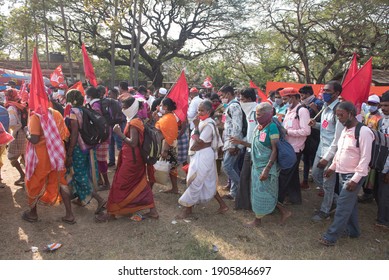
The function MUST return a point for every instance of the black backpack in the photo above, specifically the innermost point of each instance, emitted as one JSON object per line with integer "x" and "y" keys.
{"x": 379, "y": 149}
{"x": 95, "y": 129}
{"x": 244, "y": 120}
{"x": 152, "y": 144}
{"x": 112, "y": 111}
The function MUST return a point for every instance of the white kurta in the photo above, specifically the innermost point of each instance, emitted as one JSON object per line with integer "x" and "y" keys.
{"x": 202, "y": 173}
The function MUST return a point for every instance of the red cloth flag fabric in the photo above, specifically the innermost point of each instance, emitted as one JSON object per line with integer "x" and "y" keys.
{"x": 357, "y": 88}
{"x": 23, "y": 93}
{"x": 179, "y": 94}
{"x": 207, "y": 82}
{"x": 78, "y": 86}
{"x": 38, "y": 101}
{"x": 57, "y": 78}
{"x": 352, "y": 70}
{"x": 261, "y": 95}
{"x": 88, "y": 67}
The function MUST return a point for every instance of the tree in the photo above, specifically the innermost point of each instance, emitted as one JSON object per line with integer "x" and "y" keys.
{"x": 169, "y": 27}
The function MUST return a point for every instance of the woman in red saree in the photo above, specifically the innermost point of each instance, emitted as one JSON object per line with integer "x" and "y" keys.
{"x": 130, "y": 191}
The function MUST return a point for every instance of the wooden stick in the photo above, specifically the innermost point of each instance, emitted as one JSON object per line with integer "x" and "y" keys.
{"x": 93, "y": 169}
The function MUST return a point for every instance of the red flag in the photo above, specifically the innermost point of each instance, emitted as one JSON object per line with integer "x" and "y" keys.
{"x": 357, "y": 88}
{"x": 38, "y": 101}
{"x": 207, "y": 82}
{"x": 78, "y": 86}
{"x": 23, "y": 93}
{"x": 352, "y": 70}
{"x": 88, "y": 67}
{"x": 57, "y": 78}
{"x": 179, "y": 94}
{"x": 261, "y": 95}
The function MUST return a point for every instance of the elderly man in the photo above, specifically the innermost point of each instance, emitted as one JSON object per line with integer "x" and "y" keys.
{"x": 351, "y": 162}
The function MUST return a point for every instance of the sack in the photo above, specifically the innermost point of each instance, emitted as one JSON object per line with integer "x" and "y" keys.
{"x": 94, "y": 129}
{"x": 152, "y": 144}
{"x": 379, "y": 149}
{"x": 244, "y": 119}
{"x": 162, "y": 169}
{"x": 112, "y": 111}
{"x": 286, "y": 156}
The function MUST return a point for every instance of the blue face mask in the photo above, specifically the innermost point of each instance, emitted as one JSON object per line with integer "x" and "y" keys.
{"x": 327, "y": 97}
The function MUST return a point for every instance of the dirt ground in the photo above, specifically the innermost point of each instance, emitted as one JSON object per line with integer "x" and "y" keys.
{"x": 192, "y": 239}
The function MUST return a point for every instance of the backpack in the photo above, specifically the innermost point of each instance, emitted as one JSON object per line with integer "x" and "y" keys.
{"x": 244, "y": 120}
{"x": 152, "y": 144}
{"x": 112, "y": 111}
{"x": 95, "y": 129}
{"x": 379, "y": 149}
{"x": 286, "y": 156}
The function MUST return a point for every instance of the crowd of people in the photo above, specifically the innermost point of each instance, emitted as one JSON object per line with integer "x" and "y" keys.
{"x": 230, "y": 131}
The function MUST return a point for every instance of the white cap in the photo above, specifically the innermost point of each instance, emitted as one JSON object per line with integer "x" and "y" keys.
{"x": 374, "y": 99}
{"x": 162, "y": 91}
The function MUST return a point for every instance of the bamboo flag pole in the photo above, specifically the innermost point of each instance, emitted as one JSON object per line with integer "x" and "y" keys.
{"x": 93, "y": 168}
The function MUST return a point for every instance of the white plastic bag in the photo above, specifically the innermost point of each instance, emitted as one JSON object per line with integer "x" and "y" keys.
{"x": 162, "y": 169}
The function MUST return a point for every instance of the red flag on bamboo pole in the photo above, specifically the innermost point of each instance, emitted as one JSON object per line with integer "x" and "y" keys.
{"x": 38, "y": 101}
{"x": 261, "y": 95}
{"x": 179, "y": 94}
{"x": 356, "y": 90}
{"x": 352, "y": 70}
{"x": 88, "y": 67}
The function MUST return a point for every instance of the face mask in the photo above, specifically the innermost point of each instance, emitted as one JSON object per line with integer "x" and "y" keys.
{"x": 372, "y": 109}
{"x": 264, "y": 119}
{"x": 347, "y": 123}
{"x": 327, "y": 97}
{"x": 204, "y": 117}
{"x": 214, "y": 106}
{"x": 161, "y": 110}
{"x": 88, "y": 99}
{"x": 225, "y": 100}
{"x": 278, "y": 101}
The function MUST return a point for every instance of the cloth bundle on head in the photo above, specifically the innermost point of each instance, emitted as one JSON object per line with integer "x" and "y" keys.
{"x": 162, "y": 91}
{"x": 5, "y": 137}
{"x": 131, "y": 111}
{"x": 12, "y": 94}
{"x": 288, "y": 92}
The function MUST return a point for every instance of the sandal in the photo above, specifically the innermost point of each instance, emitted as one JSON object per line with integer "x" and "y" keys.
{"x": 101, "y": 207}
{"x": 26, "y": 217}
{"x": 324, "y": 241}
{"x": 69, "y": 222}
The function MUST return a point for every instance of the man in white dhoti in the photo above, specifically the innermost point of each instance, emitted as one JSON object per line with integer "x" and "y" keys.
{"x": 202, "y": 175}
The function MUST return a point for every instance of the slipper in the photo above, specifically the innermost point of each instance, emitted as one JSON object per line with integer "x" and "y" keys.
{"x": 222, "y": 210}
{"x": 27, "y": 218}
{"x": 326, "y": 242}
{"x": 147, "y": 215}
{"x": 2, "y": 185}
{"x": 69, "y": 222}
{"x": 101, "y": 207}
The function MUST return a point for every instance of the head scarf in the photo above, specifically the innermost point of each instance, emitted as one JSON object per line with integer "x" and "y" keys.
{"x": 131, "y": 111}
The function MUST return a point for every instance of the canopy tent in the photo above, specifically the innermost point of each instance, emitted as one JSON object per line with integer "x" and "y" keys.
{"x": 18, "y": 77}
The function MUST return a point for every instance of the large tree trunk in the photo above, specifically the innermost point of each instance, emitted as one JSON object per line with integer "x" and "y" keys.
{"x": 136, "y": 83}
{"x": 46, "y": 34}
{"x": 113, "y": 36}
{"x": 67, "y": 42}
{"x": 157, "y": 75}
{"x": 132, "y": 45}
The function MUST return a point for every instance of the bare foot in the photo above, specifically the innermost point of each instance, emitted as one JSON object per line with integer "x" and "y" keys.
{"x": 101, "y": 206}
{"x": 151, "y": 215}
{"x": 104, "y": 217}
{"x": 285, "y": 216}
{"x": 78, "y": 202}
{"x": 171, "y": 191}
{"x": 222, "y": 210}
{"x": 253, "y": 224}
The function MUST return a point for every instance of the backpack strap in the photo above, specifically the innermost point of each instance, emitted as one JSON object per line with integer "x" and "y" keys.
{"x": 297, "y": 111}
{"x": 358, "y": 132}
